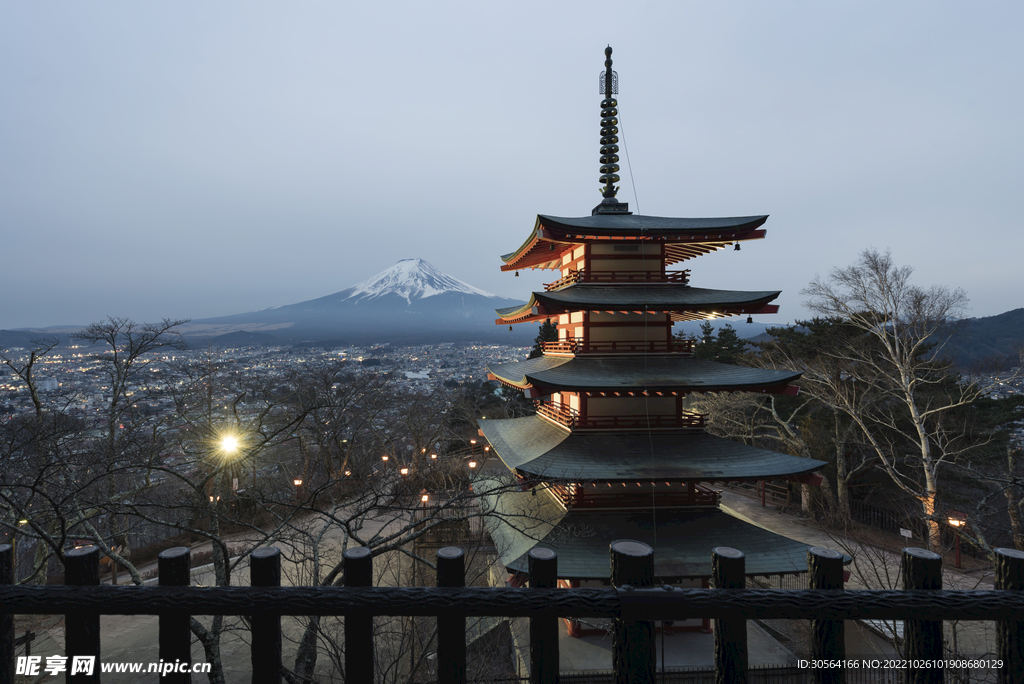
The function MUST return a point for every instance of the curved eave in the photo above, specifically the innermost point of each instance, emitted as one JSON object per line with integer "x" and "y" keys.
{"x": 682, "y": 303}
{"x": 523, "y": 313}
{"x": 638, "y": 373}
{"x": 647, "y": 298}
{"x": 537, "y": 449}
{"x": 609, "y": 225}
{"x": 684, "y": 238}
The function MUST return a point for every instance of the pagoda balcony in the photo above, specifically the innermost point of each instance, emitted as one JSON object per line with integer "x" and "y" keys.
{"x": 626, "y": 495}
{"x": 576, "y": 346}
{"x": 587, "y": 276}
{"x": 571, "y": 418}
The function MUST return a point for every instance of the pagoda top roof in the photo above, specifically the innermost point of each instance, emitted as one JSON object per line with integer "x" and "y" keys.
{"x": 536, "y": 447}
{"x": 682, "y": 539}
{"x": 638, "y": 373}
{"x": 618, "y": 224}
{"x": 686, "y": 237}
{"x": 686, "y": 303}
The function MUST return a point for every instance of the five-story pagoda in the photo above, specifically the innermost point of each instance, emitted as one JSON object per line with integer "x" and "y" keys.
{"x": 613, "y": 452}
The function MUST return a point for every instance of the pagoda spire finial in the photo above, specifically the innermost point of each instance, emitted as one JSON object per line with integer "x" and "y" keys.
{"x": 609, "y": 85}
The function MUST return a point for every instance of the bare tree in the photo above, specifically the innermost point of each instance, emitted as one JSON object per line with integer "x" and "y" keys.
{"x": 909, "y": 327}
{"x": 836, "y": 387}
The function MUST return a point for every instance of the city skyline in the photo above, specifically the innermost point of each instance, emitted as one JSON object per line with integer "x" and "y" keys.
{"x": 207, "y": 161}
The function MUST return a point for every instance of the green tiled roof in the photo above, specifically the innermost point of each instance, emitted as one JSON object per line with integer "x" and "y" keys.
{"x": 632, "y": 223}
{"x": 636, "y": 373}
{"x": 682, "y": 539}
{"x": 656, "y": 297}
{"x": 534, "y": 446}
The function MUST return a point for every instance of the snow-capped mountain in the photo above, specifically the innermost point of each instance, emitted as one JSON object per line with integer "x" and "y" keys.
{"x": 410, "y": 301}
{"x": 412, "y": 279}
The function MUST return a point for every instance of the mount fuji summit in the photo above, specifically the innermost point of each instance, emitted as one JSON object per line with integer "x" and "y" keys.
{"x": 412, "y": 302}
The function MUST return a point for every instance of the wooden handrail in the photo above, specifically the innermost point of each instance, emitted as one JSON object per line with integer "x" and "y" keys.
{"x": 590, "y": 276}
{"x": 576, "y": 345}
{"x": 571, "y": 418}
{"x": 560, "y": 414}
{"x": 631, "y": 601}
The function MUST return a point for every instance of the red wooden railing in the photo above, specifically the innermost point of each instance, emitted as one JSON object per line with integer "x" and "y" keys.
{"x": 560, "y": 414}
{"x": 585, "y": 276}
{"x": 571, "y": 418}
{"x": 632, "y": 496}
{"x": 576, "y": 345}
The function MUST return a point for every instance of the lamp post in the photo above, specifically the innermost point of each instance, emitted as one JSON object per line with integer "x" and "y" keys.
{"x": 298, "y": 487}
{"x": 957, "y": 520}
{"x": 229, "y": 445}
{"x": 14, "y": 545}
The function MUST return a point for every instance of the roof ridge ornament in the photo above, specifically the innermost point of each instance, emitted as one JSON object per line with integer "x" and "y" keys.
{"x": 609, "y": 85}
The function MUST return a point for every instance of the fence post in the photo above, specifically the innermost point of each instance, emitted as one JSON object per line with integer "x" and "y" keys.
{"x": 922, "y": 639}
{"x": 451, "y": 629}
{"x": 174, "y": 568}
{"x": 728, "y": 571}
{"x": 82, "y": 630}
{"x": 358, "y": 630}
{"x": 265, "y": 571}
{"x": 543, "y": 630}
{"x": 632, "y": 566}
{"x": 828, "y": 637}
{"x": 1009, "y": 571}
{"x": 6, "y": 619}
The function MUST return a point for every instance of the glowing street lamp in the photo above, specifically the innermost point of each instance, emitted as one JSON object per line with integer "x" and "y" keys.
{"x": 297, "y": 482}
{"x": 384, "y": 458}
{"x": 433, "y": 457}
{"x": 229, "y": 444}
{"x": 472, "y": 464}
{"x": 404, "y": 471}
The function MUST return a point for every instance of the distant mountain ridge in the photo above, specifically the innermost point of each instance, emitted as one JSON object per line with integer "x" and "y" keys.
{"x": 409, "y": 302}
{"x": 992, "y": 341}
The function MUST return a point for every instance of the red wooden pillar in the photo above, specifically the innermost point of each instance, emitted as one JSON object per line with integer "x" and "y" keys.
{"x": 572, "y": 625}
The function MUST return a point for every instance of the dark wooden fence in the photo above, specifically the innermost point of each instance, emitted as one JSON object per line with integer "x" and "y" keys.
{"x": 633, "y": 602}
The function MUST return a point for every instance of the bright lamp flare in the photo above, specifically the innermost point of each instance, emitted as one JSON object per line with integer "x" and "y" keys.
{"x": 229, "y": 444}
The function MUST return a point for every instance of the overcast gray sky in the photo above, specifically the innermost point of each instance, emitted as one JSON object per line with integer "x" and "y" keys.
{"x": 202, "y": 159}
